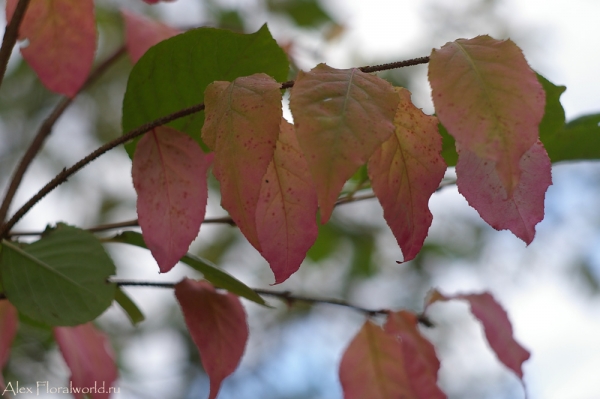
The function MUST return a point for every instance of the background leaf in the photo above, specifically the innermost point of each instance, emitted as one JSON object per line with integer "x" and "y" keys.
{"x": 8, "y": 330}
{"x": 133, "y": 312}
{"x": 578, "y": 140}
{"x": 141, "y": 33}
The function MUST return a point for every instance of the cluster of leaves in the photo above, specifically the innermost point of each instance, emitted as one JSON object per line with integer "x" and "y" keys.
{"x": 495, "y": 120}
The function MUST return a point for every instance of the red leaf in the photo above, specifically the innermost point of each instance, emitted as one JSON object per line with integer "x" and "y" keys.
{"x": 286, "y": 213}
{"x": 479, "y": 183}
{"x": 8, "y": 330}
{"x": 242, "y": 127}
{"x": 341, "y": 117}
{"x": 405, "y": 171}
{"x": 217, "y": 323}
{"x": 157, "y": 1}
{"x": 489, "y": 99}
{"x": 169, "y": 175}
{"x": 90, "y": 358}
{"x": 141, "y": 33}
{"x": 62, "y": 41}
{"x": 496, "y": 326}
{"x": 420, "y": 361}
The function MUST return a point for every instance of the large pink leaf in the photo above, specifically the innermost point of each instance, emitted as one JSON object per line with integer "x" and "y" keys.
{"x": 341, "y": 117}
{"x": 489, "y": 99}
{"x": 217, "y": 324}
{"x": 8, "y": 330}
{"x": 62, "y": 41}
{"x": 479, "y": 183}
{"x": 141, "y": 33}
{"x": 286, "y": 213}
{"x": 405, "y": 171}
{"x": 420, "y": 360}
{"x": 242, "y": 126}
{"x": 169, "y": 175}
{"x": 496, "y": 326}
{"x": 90, "y": 358}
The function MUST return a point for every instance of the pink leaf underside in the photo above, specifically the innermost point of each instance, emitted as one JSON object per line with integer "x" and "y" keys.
{"x": 8, "y": 330}
{"x": 217, "y": 324}
{"x": 341, "y": 117}
{"x": 420, "y": 359}
{"x": 90, "y": 358}
{"x": 141, "y": 33}
{"x": 496, "y": 326}
{"x": 62, "y": 41}
{"x": 286, "y": 213}
{"x": 169, "y": 175}
{"x": 405, "y": 171}
{"x": 479, "y": 183}
{"x": 242, "y": 127}
{"x": 489, "y": 99}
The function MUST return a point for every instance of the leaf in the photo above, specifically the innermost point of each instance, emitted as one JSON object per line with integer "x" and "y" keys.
{"x": 405, "y": 171}
{"x": 305, "y": 13}
{"x": 49, "y": 282}
{"x": 90, "y": 358}
{"x": 577, "y": 140}
{"x": 341, "y": 116}
{"x": 62, "y": 41}
{"x": 158, "y": 1}
{"x": 286, "y": 214}
{"x": 242, "y": 126}
{"x": 489, "y": 99}
{"x": 211, "y": 272}
{"x": 141, "y": 33}
{"x": 169, "y": 175}
{"x": 8, "y": 330}
{"x": 133, "y": 312}
{"x": 171, "y": 77}
{"x": 479, "y": 183}
{"x": 217, "y": 324}
{"x": 496, "y": 326}
{"x": 554, "y": 114}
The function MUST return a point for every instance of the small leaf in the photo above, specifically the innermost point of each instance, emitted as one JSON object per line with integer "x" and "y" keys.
{"x": 217, "y": 324}
{"x": 341, "y": 117}
{"x": 577, "y": 140}
{"x": 305, "y": 13}
{"x": 90, "y": 358}
{"x": 169, "y": 175}
{"x": 8, "y": 330}
{"x": 242, "y": 126}
{"x": 60, "y": 279}
{"x": 405, "y": 171}
{"x": 479, "y": 183}
{"x": 489, "y": 99}
{"x": 286, "y": 215}
{"x": 135, "y": 314}
{"x": 141, "y": 33}
{"x": 62, "y": 41}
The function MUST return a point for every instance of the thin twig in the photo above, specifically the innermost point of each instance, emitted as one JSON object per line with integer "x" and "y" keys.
{"x": 11, "y": 34}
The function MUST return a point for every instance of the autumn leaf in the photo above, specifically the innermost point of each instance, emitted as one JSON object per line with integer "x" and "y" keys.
{"x": 169, "y": 175}
{"x": 242, "y": 127}
{"x": 89, "y": 356}
{"x": 405, "y": 171}
{"x": 341, "y": 117}
{"x": 490, "y": 100}
{"x": 62, "y": 41}
{"x": 286, "y": 213}
{"x": 158, "y": 1}
{"x": 8, "y": 330}
{"x": 217, "y": 324}
{"x": 478, "y": 181}
{"x": 141, "y": 33}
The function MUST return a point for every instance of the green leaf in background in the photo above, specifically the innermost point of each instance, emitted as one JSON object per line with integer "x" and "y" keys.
{"x": 211, "y": 272}
{"x": 173, "y": 74}
{"x": 60, "y": 280}
{"x": 135, "y": 314}
{"x": 448, "y": 146}
{"x": 305, "y": 13}
{"x": 578, "y": 140}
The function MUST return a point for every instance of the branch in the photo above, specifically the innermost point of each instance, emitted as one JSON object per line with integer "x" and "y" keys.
{"x": 11, "y": 34}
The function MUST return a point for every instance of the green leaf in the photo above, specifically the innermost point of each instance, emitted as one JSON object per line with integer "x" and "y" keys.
{"x": 173, "y": 74}
{"x": 554, "y": 114}
{"x": 578, "y": 140}
{"x": 305, "y": 13}
{"x": 60, "y": 280}
{"x": 211, "y": 272}
{"x": 135, "y": 314}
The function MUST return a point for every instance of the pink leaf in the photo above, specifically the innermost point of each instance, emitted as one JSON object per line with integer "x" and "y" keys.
{"x": 497, "y": 328}
{"x": 287, "y": 207}
{"x": 341, "y": 117}
{"x": 8, "y": 330}
{"x": 158, "y": 1}
{"x": 62, "y": 41}
{"x": 169, "y": 174}
{"x": 405, "y": 171}
{"x": 489, "y": 99}
{"x": 479, "y": 183}
{"x": 90, "y": 358}
{"x": 242, "y": 126}
{"x": 420, "y": 361}
{"x": 141, "y": 33}
{"x": 217, "y": 323}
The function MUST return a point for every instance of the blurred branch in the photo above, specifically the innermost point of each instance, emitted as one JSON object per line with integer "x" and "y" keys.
{"x": 11, "y": 34}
